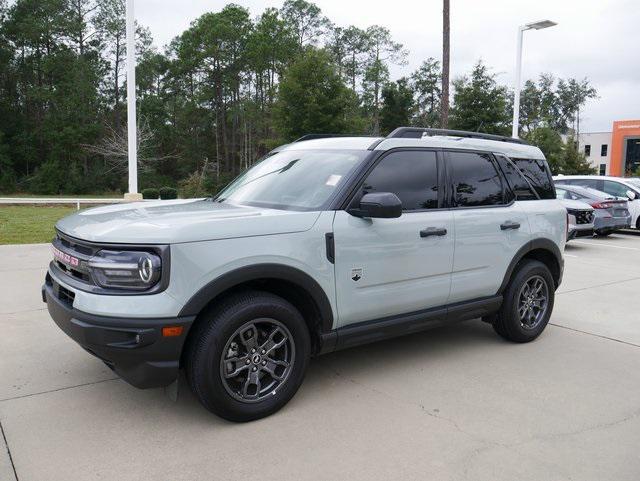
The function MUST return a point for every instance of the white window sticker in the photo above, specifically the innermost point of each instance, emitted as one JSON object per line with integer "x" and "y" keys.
{"x": 333, "y": 180}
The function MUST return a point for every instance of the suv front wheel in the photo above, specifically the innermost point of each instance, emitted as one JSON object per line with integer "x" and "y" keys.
{"x": 527, "y": 304}
{"x": 248, "y": 355}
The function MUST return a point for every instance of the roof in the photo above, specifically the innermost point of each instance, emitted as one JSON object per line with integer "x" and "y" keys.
{"x": 515, "y": 150}
{"x": 449, "y": 142}
{"x": 352, "y": 143}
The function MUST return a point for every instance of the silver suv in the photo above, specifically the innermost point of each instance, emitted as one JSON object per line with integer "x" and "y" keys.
{"x": 326, "y": 243}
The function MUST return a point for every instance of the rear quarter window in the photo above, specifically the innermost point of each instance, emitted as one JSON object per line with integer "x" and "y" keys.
{"x": 538, "y": 174}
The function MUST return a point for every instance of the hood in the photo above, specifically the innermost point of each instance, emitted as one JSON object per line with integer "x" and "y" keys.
{"x": 175, "y": 221}
{"x": 575, "y": 204}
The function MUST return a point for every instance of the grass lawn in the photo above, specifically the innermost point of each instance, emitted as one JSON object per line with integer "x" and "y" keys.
{"x": 30, "y": 224}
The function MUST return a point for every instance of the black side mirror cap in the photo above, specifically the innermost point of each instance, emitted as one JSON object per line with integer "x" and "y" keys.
{"x": 379, "y": 205}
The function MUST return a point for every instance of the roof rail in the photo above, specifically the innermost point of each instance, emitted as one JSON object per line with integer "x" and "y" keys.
{"x": 419, "y": 132}
{"x": 326, "y": 136}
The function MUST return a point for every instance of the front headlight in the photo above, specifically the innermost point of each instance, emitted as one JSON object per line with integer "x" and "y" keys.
{"x": 133, "y": 270}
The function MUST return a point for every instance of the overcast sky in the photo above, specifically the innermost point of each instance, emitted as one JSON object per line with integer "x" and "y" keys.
{"x": 597, "y": 39}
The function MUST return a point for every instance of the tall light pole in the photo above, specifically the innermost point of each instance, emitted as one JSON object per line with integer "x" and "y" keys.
{"x": 132, "y": 140}
{"x": 516, "y": 99}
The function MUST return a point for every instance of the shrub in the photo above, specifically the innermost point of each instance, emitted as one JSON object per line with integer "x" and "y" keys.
{"x": 168, "y": 193}
{"x": 150, "y": 193}
{"x": 192, "y": 187}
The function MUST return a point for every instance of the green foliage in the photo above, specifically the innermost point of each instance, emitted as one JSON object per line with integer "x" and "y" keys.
{"x": 426, "y": 84}
{"x": 222, "y": 94}
{"x": 397, "y": 106}
{"x": 480, "y": 103}
{"x": 150, "y": 193}
{"x": 573, "y": 161}
{"x": 553, "y": 104}
{"x": 312, "y": 98}
{"x": 167, "y": 193}
{"x": 550, "y": 142}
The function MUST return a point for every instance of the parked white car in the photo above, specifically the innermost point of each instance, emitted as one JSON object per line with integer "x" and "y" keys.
{"x": 616, "y": 186}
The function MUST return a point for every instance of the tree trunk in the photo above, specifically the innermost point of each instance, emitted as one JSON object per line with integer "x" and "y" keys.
{"x": 444, "y": 103}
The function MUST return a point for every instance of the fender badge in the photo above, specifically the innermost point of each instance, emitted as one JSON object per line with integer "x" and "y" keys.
{"x": 356, "y": 274}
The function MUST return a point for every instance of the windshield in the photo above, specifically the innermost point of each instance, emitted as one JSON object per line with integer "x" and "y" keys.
{"x": 293, "y": 179}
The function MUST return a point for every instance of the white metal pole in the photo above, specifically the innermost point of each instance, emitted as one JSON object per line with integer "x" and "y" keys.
{"x": 131, "y": 100}
{"x": 516, "y": 90}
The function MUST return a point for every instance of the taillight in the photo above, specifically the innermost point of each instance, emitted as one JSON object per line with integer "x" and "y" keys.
{"x": 600, "y": 205}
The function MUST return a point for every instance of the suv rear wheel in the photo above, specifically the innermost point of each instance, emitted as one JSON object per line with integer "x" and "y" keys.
{"x": 528, "y": 302}
{"x": 247, "y": 356}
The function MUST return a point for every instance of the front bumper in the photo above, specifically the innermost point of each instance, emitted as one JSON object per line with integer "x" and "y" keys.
{"x": 134, "y": 348}
{"x": 579, "y": 230}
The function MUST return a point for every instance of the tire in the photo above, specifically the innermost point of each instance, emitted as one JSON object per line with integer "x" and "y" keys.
{"x": 263, "y": 384}
{"x": 507, "y": 322}
{"x": 603, "y": 233}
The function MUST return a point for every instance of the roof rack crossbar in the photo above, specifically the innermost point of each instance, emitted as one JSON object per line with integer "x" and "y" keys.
{"x": 419, "y": 132}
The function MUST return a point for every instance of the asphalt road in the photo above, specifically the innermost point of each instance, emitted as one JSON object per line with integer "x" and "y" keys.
{"x": 448, "y": 404}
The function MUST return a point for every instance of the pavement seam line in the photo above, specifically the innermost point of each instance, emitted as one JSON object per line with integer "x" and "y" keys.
{"x": 22, "y": 312}
{"x": 599, "y": 285}
{"x": 595, "y": 335}
{"x": 57, "y": 390}
{"x": 6, "y": 443}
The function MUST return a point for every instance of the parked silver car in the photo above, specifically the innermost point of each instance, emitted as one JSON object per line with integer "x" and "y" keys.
{"x": 610, "y": 213}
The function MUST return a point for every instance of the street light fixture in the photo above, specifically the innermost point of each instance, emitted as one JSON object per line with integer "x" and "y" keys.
{"x": 516, "y": 99}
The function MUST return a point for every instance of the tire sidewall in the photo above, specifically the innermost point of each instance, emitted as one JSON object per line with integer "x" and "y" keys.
{"x": 511, "y": 323}
{"x": 206, "y": 365}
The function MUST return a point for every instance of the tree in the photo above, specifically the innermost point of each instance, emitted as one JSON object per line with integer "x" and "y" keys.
{"x": 479, "y": 103}
{"x": 312, "y": 98}
{"x": 382, "y": 51}
{"x": 397, "y": 106}
{"x": 553, "y": 104}
{"x": 446, "y": 53}
{"x": 573, "y": 161}
{"x": 355, "y": 42}
{"x": 425, "y": 82}
{"x": 306, "y": 21}
{"x": 550, "y": 142}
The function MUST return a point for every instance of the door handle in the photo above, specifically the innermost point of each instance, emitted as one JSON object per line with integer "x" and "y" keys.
{"x": 509, "y": 225}
{"x": 431, "y": 231}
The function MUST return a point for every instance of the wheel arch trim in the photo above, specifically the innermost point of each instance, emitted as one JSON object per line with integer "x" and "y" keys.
{"x": 534, "y": 245}
{"x": 256, "y": 272}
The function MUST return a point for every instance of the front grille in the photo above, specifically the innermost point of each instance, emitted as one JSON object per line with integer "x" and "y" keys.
{"x": 582, "y": 216}
{"x": 79, "y": 270}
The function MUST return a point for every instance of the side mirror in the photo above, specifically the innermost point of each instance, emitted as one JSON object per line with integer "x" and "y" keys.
{"x": 631, "y": 195}
{"x": 380, "y": 205}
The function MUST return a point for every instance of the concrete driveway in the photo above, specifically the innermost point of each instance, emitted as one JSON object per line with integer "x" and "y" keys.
{"x": 448, "y": 404}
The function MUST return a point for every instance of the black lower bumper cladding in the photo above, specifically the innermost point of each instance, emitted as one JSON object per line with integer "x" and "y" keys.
{"x": 134, "y": 348}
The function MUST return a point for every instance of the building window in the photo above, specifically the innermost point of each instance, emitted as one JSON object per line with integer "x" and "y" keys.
{"x": 587, "y": 150}
{"x": 603, "y": 150}
{"x": 603, "y": 169}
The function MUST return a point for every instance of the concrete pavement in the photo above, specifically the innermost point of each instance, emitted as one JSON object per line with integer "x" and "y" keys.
{"x": 448, "y": 404}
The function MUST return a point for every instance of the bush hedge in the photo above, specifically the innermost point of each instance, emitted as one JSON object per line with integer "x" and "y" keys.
{"x": 150, "y": 194}
{"x": 168, "y": 193}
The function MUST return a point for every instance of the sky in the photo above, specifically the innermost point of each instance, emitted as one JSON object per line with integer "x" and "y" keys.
{"x": 596, "y": 39}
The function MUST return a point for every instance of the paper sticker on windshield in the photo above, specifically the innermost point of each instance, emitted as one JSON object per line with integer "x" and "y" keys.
{"x": 333, "y": 180}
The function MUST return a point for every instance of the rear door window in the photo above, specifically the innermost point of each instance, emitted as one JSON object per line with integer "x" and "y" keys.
{"x": 538, "y": 174}
{"x": 474, "y": 179}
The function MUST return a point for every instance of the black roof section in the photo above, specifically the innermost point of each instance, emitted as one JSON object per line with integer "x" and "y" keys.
{"x": 419, "y": 132}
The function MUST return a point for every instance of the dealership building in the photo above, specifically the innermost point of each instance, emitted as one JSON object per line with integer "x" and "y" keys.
{"x": 613, "y": 153}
